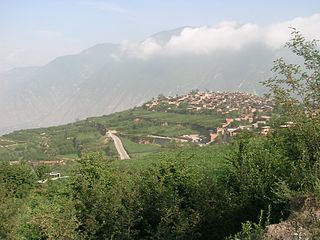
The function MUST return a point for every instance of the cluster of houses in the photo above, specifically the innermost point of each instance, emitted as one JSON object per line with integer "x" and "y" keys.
{"x": 242, "y": 111}
{"x": 230, "y": 128}
{"x": 234, "y": 126}
{"x": 225, "y": 103}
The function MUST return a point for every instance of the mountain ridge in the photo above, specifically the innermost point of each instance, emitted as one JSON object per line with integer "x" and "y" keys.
{"x": 97, "y": 81}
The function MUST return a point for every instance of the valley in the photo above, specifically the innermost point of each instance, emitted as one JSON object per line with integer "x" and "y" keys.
{"x": 143, "y": 130}
{"x": 103, "y": 79}
{"x": 200, "y": 165}
{"x": 151, "y": 120}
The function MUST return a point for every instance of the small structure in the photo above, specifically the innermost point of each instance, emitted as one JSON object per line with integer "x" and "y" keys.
{"x": 192, "y": 137}
{"x": 287, "y": 125}
{"x": 136, "y": 120}
{"x": 229, "y": 120}
{"x": 233, "y": 131}
{"x": 213, "y": 136}
{"x": 246, "y": 127}
{"x": 55, "y": 175}
{"x": 42, "y": 181}
{"x": 265, "y": 130}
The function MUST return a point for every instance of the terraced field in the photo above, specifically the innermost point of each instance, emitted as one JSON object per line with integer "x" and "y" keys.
{"x": 133, "y": 126}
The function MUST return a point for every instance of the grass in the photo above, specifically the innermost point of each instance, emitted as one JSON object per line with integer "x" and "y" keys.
{"x": 4, "y": 142}
{"x": 172, "y": 130}
{"x": 87, "y": 135}
{"x": 206, "y": 121}
{"x": 110, "y": 150}
{"x": 134, "y": 149}
{"x": 5, "y": 154}
{"x": 140, "y": 122}
{"x": 69, "y": 156}
{"x": 69, "y": 140}
{"x": 210, "y": 159}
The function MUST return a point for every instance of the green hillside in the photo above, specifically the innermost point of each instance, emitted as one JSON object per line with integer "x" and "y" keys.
{"x": 133, "y": 127}
{"x": 261, "y": 185}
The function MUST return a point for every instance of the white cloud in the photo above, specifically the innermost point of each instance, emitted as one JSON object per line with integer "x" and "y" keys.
{"x": 203, "y": 40}
{"x": 142, "y": 50}
{"x": 277, "y": 34}
{"x": 225, "y": 35}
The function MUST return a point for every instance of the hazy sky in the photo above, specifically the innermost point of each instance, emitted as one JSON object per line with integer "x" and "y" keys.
{"x": 33, "y": 32}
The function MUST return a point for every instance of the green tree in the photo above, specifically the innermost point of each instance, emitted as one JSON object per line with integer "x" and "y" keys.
{"x": 295, "y": 88}
{"x": 17, "y": 183}
{"x": 18, "y": 179}
{"x": 269, "y": 171}
{"x": 42, "y": 171}
{"x": 51, "y": 214}
{"x": 99, "y": 194}
{"x": 161, "y": 97}
{"x": 194, "y": 92}
{"x": 172, "y": 200}
{"x": 11, "y": 210}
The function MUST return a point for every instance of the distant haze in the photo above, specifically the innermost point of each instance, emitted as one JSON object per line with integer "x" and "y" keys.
{"x": 111, "y": 77}
{"x": 34, "y": 32}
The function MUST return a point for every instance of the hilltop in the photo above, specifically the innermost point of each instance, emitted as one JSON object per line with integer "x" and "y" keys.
{"x": 189, "y": 173}
{"x": 104, "y": 79}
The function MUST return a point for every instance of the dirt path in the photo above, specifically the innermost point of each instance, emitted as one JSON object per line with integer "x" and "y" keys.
{"x": 118, "y": 144}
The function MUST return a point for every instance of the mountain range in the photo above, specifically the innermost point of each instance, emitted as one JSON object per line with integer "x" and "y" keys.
{"x": 108, "y": 77}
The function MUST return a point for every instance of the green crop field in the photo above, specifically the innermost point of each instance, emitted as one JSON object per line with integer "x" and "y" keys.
{"x": 70, "y": 140}
{"x": 5, "y": 143}
{"x": 210, "y": 159}
{"x": 135, "y": 148}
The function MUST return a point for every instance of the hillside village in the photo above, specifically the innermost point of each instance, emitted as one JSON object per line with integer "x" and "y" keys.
{"x": 242, "y": 111}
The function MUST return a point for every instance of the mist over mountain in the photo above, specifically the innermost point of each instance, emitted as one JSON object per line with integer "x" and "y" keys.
{"x": 113, "y": 77}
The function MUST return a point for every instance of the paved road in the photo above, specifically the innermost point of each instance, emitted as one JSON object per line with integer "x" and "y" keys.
{"x": 119, "y": 146}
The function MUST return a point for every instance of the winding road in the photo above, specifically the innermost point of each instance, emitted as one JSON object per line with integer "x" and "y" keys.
{"x": 118, "y": 144}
